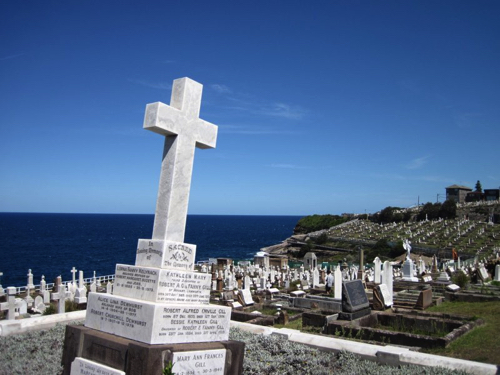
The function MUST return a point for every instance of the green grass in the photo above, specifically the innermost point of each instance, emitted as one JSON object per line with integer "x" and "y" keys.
{"x": 482, "y": 344}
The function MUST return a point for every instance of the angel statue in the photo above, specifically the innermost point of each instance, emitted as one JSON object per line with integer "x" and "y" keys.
{"x": 407, "y": 247}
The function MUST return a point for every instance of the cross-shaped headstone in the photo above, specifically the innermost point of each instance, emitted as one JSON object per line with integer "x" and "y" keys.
{"x": 10, "y": 305}
{"x": 73, "y": 271}
{"x": 183, "y": 131}
{"x": 60, "y": 296}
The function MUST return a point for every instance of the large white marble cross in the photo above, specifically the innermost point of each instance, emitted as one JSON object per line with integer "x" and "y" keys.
{"x": 183, "y": 131}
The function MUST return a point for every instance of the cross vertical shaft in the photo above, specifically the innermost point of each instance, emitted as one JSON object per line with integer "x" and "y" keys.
{"x": 183, "y": 131}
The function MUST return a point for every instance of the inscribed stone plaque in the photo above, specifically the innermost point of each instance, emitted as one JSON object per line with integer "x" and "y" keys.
{"x": 82, "y": 366}
{"x": 155, "y": 323}
{"x": 210, "y": 362}
{"x": 160, "y": 285}
{"x": 165, "y": 254}
{"x": 354, "y": 296}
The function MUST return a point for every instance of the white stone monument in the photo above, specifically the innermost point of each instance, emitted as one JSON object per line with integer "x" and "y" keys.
{"x": 408, "y": 272}
{"x": 388, "y": 281}
{"x": 161, "y": 299}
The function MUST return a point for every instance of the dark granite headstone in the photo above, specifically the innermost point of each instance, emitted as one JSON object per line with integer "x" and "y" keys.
{"x": 354, "y": 296}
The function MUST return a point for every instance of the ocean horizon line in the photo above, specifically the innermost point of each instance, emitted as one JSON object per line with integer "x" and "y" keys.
{"x": 148, "y": 214}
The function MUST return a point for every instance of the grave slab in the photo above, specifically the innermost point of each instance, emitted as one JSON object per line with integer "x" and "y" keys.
{"x": 155, "y": 323}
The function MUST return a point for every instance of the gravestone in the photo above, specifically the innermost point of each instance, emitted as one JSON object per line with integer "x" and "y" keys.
{"x": 483, "y": 274}
{"x": 247, "y": 297}
{"x": 387, "y": 279}
{"x": 39, "y": 305}
{"x": 354, "y": 296}
{"x": 337, "y": 283}
{"x": 381, "y": 297}
{"x": 497, "y": 273}
{"x": 377, "y": 268}
{"x": 355, "y": 303}
{"x": 424, "y": 299}
{"x": 160, "y": 312}
{"x": 10, "y": 305}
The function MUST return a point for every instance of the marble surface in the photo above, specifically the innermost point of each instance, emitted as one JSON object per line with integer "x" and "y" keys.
{"x": 155, "y": 323}
{"x": 200, "y": 362}
{"x": 165, "y": 254}
{"x": 183, "y": 131}
{"x": 160, "y": 285}
{"x": 82, "y": 366}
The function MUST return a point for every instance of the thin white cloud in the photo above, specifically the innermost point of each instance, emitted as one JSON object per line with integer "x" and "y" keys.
{"x": 153, "y": 85}
{"x": 221, "y": 89}
{"x": 259, "y": 107}
{"x": 11, "y": 56}
{"x": 282, "y": 110}
{"x": 417, "y": 163}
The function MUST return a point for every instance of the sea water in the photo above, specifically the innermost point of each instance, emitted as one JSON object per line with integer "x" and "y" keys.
{"x": 52, "y": 244}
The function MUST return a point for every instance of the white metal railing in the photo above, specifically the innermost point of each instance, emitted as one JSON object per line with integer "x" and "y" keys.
{"x": 49, "y": 286}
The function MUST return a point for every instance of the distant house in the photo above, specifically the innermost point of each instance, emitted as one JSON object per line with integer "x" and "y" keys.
{"x": 491, "y": 194}
{"x": 457, "y": 193}
{"x": 474, "y": 196}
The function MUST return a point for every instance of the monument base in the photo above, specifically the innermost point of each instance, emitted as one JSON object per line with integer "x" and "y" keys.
{"x": 354, "y": 315}
{"x": 137, "y": 358}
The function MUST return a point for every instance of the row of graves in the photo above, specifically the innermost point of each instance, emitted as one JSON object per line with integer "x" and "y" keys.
{"x": 49, "y": 298}
{"x": 384, "y": 303}
{"x": 470, "y": 235}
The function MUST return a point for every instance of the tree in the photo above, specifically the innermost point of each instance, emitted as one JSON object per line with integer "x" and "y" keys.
{"x": 479, "y": 188}
{"x": 448, "y": 209}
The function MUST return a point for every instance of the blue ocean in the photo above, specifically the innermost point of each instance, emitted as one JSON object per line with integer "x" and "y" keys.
{"x": 51, "y": 244}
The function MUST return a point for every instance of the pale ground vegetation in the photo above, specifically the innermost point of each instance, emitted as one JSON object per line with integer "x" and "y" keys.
{"x": 39, "y": 352}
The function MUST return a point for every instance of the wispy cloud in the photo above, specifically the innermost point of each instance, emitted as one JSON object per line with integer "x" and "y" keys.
{"x": 221, "y": 89}
{"x": 11, "y": 56}
{"x": 282, "y": 110}
{"x": 153, "y": 85}
{"x": 417, "y": 163}
{"x": 254, "y": 106}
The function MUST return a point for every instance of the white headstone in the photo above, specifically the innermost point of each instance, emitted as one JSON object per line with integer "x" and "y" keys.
{"x": 377, "y": 265}
{"x": 388, "y": 280}
{"x": 247, "y": 297}
{"x": 337, "y": 285}
{"x": 10, "y": 305}
{"x": 497, "y": 273}
{"x": 39, "y": 305}
{"x": 60, "y": 296}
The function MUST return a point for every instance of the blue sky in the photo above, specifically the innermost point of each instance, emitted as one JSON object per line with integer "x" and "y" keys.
{"x": 322, "y": 106}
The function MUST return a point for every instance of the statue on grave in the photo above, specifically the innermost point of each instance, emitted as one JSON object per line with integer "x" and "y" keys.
{"x": 407, "y": 247}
